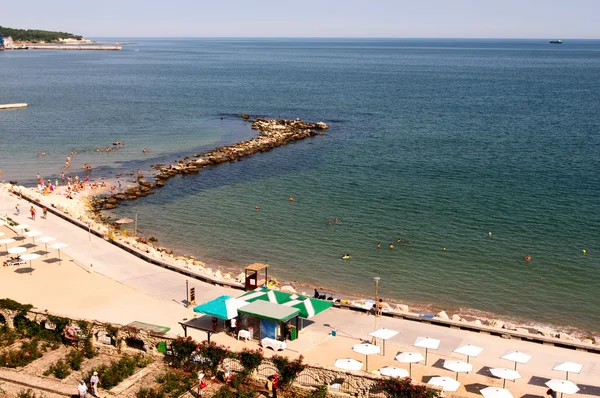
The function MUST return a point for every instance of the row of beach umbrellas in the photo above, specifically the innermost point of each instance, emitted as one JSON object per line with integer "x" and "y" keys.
{"x": 21, "y": 250}
{"x": 452, "y": 384}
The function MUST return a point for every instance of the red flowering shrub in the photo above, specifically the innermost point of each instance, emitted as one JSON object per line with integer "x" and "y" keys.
{"x": 403, "y": 388}
{"x": 250, "y": 359}
{"x": 288, "y": 370}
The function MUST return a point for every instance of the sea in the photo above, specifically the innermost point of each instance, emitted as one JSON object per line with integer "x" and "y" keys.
{"x": 473, "y": 153}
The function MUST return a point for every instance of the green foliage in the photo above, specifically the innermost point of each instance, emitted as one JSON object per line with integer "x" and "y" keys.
{"x": 28, "y": 394}
{"x": 250, "y": 360}
{"x": 183, "y": 348}
{"x": 28, "y": 353}
{"x": 36, "y": 35}
{"x": 175, "y": 382}
{"x": 74, "y": 359}
{"x": 117, "y": 371}
{"x": 7, "y": 336}
{"x": 28, "y": 328}
{"x": 403, "y": 388}
{"x": 213, "y": 355}
{"x": 241, "y": 391}
{"x": 320, "y": 392}
{"x": 13, "y": 305}
{"x": 288, "y": 370}
{"x": 60, "y": 369}
{"x": 150, "y": 393}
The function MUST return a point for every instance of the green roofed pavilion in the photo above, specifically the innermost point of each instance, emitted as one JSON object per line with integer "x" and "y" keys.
{"x": 308, "y": 306}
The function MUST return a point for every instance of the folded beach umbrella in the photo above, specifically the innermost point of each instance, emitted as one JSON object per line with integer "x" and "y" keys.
{"x": 468, "y": 350}
{"x": 517, "y": 357}
{"x": 6, "y": 242}
{"x": 383, "y": 334}
{"x": 393, "y": 371}
{"x": 562, "y": 386}
{"x": 568, "y": 367}
{"x": 366, "y": 349}
{"x": 447, "y": 383}
{"x": 348, "y": 364}
{"x": 505, "y": 374}
{"x": 458, "y": 367}
{"x": 495, "y": 392}
{"x": 409, "y": 358}
{"x": 427, "y": 343}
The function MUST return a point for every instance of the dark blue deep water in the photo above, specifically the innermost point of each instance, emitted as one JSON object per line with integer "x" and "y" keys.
{"x": 434, "y": 141}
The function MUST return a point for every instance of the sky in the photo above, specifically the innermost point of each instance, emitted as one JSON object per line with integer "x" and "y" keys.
{"x": 547, "y": 19}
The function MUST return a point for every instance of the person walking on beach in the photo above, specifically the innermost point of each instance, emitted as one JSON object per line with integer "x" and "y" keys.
{"x": 32, "y": 211}
{"x": 201, "y": 384}
{"x": 82, "y": 389}
{"x": 94, "y": 380}
{"x": 62, "y": 177}
{"x": 44, "y": 213}
{"x": 17, "y": 210}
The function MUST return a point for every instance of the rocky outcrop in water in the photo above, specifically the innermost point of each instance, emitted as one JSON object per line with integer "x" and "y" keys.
{"x": 272, "y": 133}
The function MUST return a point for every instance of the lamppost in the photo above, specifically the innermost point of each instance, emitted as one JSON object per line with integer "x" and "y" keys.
{"x": 376, "y": 278}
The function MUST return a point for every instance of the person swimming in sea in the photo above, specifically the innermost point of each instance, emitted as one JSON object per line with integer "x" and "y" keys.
{"x": 346, "y": 257}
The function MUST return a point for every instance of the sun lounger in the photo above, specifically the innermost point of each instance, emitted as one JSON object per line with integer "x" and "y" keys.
{"x": 14, "y": 262}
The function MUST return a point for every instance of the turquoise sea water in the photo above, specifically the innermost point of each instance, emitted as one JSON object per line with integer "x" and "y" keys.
{"x": 434, "y": 141}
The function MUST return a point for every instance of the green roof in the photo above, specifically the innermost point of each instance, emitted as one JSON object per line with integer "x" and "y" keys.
{"x": 308, "y": 306}
{"x": 271, "y": 311}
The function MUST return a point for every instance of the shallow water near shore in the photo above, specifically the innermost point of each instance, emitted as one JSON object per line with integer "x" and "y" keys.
{"x": 434, "y": 142}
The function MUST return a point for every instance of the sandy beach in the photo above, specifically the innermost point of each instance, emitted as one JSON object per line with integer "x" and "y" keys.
{"x": 120, "y": 287}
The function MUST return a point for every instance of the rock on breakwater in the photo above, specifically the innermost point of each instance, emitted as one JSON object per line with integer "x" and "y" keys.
{"x": 272, "y": 133}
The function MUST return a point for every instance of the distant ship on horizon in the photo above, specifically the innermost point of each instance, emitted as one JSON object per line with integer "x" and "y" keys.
{"x": 555, "y": 41}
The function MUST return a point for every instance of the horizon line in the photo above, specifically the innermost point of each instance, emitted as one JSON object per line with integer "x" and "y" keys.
{"x": 355, "y": 37}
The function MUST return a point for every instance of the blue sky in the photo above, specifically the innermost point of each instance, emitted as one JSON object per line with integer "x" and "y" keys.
{"x": 310, "y": 18}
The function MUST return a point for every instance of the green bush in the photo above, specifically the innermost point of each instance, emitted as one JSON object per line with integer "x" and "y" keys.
{"x": 175, "y": 382}
{"x": 213, "y": 354}
{"x": 74, "y": 359}
{"x": 250, "y": 360}
{"x": 288, "y": 370}
{"x": 403, "y": 388}
{"x": 60, "y": 369}
{"x": 150, "y": 393}
{"x": 320, "y": 392}
{"x": 118, "y": 371}
{"x": 13, "y": 305}
{"x": 7, "y": 336}
{"x": 28, "y": 353}
{"x": 28, "y": 394}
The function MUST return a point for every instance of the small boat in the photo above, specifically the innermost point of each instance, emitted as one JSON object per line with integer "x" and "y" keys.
{"x": 555, "y": 41}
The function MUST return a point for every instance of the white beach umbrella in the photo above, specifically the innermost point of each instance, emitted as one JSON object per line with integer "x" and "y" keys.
{"x": 468, "y": 350}
{"x": 458, "y": 367}
{"x": 427, "y": 343}
{"x": 505, "y": 374}
{"x": 6, "y": 242}
{"x": 32, "y": 234}
{"x": 58, "y": 246}
{"x": 348, "y": 364}
{"x": 30, "y": 257}
{"x": 517, "y": 357}
{"x": 495, "y": 392}
{"x": 393, "y": 371}
{"x": 568, "y": 367}
{"x": 17, "y": 250}
{"x": 366, "y": 349}
{"x": 21, "y": 227}
{"x": 409, "y": 358}
{"x": 562, "y": 386}
{"x": 45, "y": 240}
{"x": 447, "y": 383}
{"x": 384, "y": 334}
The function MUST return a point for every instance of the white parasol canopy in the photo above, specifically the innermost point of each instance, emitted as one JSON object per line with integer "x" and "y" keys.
{"x": 562, "y": 386}
{"x": 32, "y": 234}
{"x": 410, "y": 358}
{"x": 17, "y": 250}
{"x": 348, "y": 364}
{"x": 458, "y": 366}
{"x": 505, "y": 374}
{"x": 58, "y": 246}
{"x": 447, "y": 383}
{"x": 495, "y": 392}
{"x": 366, "y": 349}
{"x": 517, "y": 357}
{"x": 21, "y": 226}
{"x": 6, "y": 242}
{"x": 468, "y": 350}
{"x": 45, "y": 240}
{"x": 393, "y": 371}
{"x": 568, "y": 367}
{"x": 30, "y": 257}
{"x": 384, "y": 334}
{"x": 427, "y": 343}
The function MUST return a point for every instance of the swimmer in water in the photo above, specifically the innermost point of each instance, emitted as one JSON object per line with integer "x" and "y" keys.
{"x": 378, "y": 245}
{"x": 527, "y": 258}
{"x": 489, "y": 234}
{"x": 391, "y": 246}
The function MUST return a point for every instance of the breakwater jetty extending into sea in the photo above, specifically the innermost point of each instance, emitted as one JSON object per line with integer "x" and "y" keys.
{"x": 272, "y": 134}
{"x": 82, "y": 47}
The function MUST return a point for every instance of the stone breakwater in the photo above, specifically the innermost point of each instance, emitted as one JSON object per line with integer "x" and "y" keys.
{"x": 273, "y": 133}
